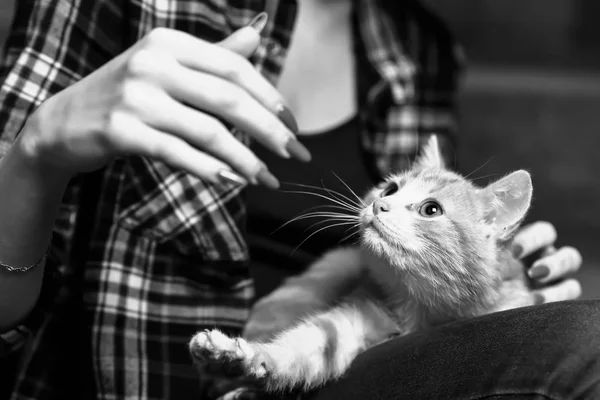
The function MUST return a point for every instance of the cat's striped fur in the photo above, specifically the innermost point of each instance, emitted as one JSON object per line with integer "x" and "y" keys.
{"x": 434, "y": 249}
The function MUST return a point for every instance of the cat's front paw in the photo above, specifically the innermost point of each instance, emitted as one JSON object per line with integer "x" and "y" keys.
{"x": 230, "y": 353}
{"x": 216, "y": 346}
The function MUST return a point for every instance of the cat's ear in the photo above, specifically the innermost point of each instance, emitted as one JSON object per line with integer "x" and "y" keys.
{"x": 431, "y": 155}
{"x": 507, "y": 201}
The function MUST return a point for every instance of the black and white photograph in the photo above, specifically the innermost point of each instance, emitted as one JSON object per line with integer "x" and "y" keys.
{"x": 299, "y": 200}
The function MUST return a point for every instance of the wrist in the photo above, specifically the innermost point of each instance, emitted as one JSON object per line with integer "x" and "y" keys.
{"x": 34, "y": 158}
{"x": 30, "y": 196}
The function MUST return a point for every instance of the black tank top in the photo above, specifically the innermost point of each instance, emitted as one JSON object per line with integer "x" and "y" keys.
{"x": 336, "y": 151}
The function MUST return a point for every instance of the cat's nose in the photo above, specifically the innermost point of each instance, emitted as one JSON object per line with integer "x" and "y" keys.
{"x": 380, "y": 205}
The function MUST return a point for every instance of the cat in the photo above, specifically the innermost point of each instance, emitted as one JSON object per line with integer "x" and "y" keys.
{"x": 434, "y": 248}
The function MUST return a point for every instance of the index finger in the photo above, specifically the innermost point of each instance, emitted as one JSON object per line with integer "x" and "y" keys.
{"x": 245, "y": 40}
{"x": 532, "y": 238}
{"x": 194, "y": 58}
{"x": 219, "y": 60}
{"x": 565, "y": 261}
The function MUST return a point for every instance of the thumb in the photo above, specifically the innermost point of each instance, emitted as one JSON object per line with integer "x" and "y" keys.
{"x": 245, "y": 40}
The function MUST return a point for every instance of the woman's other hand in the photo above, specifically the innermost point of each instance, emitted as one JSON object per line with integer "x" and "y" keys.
{"x": 538, "y": 273}
{"x": 551, "y": 269}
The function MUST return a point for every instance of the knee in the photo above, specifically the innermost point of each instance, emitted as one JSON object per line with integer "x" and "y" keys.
{"x": 571, "y": 347}
{"x": 569, "y": 332}
{"x": 574, "y": 321}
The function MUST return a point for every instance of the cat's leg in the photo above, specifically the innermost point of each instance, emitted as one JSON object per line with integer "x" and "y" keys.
{"x": 329, "y": 279}
{"x": 317, "y": 350}
{"x": 517, "y": 299}
{"x": 514, "y": 293}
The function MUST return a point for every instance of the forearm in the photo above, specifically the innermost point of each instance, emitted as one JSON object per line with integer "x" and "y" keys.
{"x": 29, "y": 201}
{"x": 333, "y": 275}
{"x": 324, "y": 283}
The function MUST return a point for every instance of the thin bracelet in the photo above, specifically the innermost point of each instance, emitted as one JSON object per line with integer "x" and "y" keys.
{"x": 10, "y": 268}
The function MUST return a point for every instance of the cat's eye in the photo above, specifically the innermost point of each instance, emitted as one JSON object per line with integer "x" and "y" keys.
{"x": 430, "y": 209}
{"x": 390, "y": 189}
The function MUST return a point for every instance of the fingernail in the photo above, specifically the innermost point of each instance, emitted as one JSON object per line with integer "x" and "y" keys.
{"x": 539, "y": 272}
{"x": 286, "y": 116}
{"x": 259, "y": 22}
{"x": 297, "y": 150}
{"x": 538, "y": 299}
{"x": 267, "y": 178}
{"x": 517, "y": 250}
{"x": 231, "y": 177}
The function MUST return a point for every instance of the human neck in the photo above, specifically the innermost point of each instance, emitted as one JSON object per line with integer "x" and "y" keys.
{"x": 318, "y": 79}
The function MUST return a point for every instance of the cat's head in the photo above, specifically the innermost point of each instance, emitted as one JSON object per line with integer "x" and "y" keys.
{"x": 434, "y": 223}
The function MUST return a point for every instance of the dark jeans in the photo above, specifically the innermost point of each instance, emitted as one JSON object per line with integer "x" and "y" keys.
{"x": 544, "y": 352}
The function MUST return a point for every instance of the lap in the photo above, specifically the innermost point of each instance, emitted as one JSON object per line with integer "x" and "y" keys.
{"x": 550, "y": 351}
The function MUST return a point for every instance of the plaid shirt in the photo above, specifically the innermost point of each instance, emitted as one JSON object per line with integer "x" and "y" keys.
{"x": 164, "y": 252}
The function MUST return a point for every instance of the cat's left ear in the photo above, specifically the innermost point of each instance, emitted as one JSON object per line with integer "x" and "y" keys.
{"x": 507, "y": 202}
{"x": 431, "y": 155}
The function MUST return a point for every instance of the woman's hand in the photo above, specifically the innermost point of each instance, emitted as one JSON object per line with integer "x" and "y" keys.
{"x": 551, "y": 268}
{"x": 161, "y": 99}
{"x": 546, "y": 270}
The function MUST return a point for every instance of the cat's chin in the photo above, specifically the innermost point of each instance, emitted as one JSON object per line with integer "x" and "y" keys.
{"x": 378, "y": 230}
{"x": 379, "y": 241}
{"x": 373, "y": 233}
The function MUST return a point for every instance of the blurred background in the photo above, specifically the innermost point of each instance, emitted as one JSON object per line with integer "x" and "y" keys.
{"x": 530, "y": 99}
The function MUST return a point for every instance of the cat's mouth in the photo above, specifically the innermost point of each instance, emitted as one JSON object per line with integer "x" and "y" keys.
{"x": 380, "y": 229}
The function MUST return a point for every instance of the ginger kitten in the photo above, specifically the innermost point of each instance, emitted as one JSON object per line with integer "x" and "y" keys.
{"x": 434, "y": 248}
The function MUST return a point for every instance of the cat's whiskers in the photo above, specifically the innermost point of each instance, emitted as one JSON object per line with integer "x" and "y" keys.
{"x": 478, "y": 168}
{"x": 334, "y": 193}
{"x": 340, "y": 196}
{"x": 329, "y": 215}
{"x": 322, "y": 214}
{"x": 340, "y": 223}
{"x": 352, "y": 206}
{"x": 484, "y": 176}
{"x": 324, "y": 221}
{"x": 347, "y": 237}
{"x": 360, "y": 200}
{"x": 329, "y": 206}
{"x": 347, "y": 206}
{"x": 319, "y": 230}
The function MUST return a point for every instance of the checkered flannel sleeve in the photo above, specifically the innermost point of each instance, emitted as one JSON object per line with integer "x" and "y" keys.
{"x": 52, "y": 44}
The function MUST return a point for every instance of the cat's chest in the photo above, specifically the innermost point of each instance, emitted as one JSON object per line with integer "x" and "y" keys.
{"x": 390, "y": 287}
{"x": 384, "y": 279}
